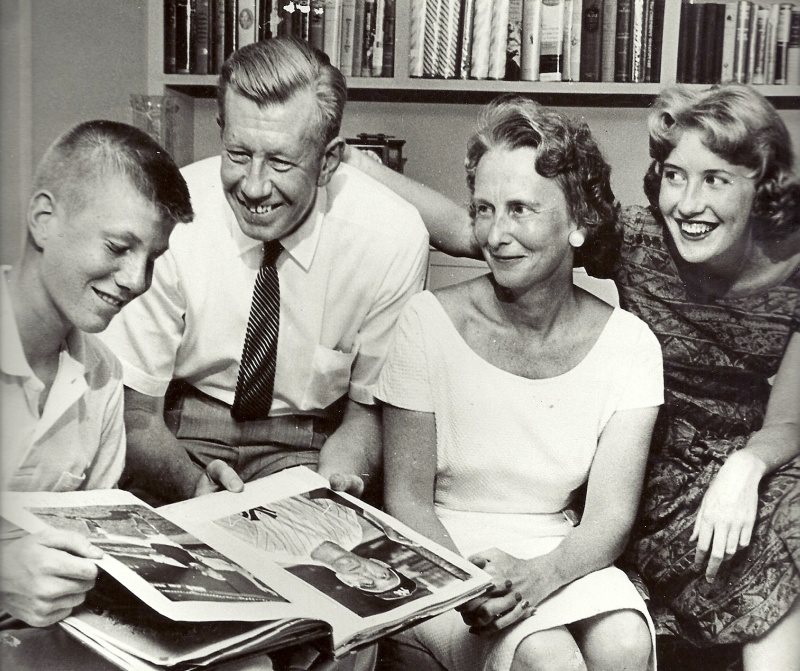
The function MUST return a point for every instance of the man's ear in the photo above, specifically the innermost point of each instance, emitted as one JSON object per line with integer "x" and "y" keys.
{"x": 331, "y": 158}
{"x": 41, "y": 217}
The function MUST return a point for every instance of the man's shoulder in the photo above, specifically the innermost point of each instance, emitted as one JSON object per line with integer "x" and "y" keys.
{"x": 370, "y": 207}
{"x": 101, "y": 363}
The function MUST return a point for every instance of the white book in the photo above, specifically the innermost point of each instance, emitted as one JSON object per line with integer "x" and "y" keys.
{"x": 760, "y": 50}
{"x": 531, "y": 29}
{"x": 333, "y": 30}
{"x": 572, "y": 43}
{"x": 481, "y": 38}
{"x": 728, "y": 42}
{"x": 552, "y": 41}
{"x": 788, "y": 34}
{"x": 347, "y": 37}
{"x": 772, "y": 44}
{"x": 377, "y": 48}
{"x": 498, "y": 40}
{"x": 416, "y": 38}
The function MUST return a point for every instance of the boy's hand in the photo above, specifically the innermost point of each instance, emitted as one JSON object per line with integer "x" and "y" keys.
{"x": 216, "y": 476}
{"x": 43, "y": 576}
{"x": 350, "y": 483}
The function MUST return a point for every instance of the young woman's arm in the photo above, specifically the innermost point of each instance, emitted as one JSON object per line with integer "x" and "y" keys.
{"x": 409, "y": 462}
{"x": 728, "y": 512}
{"x": 448, "y": 223}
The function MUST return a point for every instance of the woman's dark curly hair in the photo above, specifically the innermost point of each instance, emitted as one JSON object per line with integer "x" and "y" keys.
{"x": 739, "y": 125}
{"x": 566, "y": 152}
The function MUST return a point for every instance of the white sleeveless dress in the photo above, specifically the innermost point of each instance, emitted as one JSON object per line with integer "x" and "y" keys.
{"x": 511, "y": 452}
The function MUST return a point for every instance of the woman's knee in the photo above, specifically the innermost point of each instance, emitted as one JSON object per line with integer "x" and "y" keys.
{"x": 616, "y": 641}
{"x": 548, "y": 651}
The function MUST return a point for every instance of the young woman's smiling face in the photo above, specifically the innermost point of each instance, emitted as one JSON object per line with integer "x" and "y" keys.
{"x": 706, "y": 203}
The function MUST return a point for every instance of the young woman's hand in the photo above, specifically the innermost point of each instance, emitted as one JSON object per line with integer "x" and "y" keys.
{"x": 727, "y": 513}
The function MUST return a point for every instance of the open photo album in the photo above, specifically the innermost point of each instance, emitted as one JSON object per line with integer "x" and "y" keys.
{"x": 226, "y": 575}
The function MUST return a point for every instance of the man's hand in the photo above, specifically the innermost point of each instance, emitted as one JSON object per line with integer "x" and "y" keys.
{"x": 347, "y": 482}
{"x": 43, "y": 576}
{"x": 218, "y": 475}
{"x": 728, "y": 511}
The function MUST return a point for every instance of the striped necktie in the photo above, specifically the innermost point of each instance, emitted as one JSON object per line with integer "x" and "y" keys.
{"x": 253, "y": 397}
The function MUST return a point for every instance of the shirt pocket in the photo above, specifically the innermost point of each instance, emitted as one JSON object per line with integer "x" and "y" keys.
{"x": 330, "y": 377}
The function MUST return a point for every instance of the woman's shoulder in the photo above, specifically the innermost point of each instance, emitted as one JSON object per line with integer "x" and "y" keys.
{"x": 639, "y": 220}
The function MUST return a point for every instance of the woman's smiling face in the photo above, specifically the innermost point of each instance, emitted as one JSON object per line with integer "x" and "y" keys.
{"x": 706, "y": 203}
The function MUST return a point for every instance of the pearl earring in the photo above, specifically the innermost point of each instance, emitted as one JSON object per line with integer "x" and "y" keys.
{"x": 577, "y": 238}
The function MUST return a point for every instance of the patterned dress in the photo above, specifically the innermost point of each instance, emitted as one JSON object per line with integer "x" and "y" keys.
{"x": 718, "y": 359}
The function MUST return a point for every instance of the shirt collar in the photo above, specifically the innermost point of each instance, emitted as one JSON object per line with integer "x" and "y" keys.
{"x": 301, "y": 244}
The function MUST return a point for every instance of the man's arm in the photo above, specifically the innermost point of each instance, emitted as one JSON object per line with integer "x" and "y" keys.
{"x": 354, "y": 448}
{"x": 156, "y": 460}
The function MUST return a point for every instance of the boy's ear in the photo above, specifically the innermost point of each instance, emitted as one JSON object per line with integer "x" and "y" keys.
{"x": 41, "y": 217}
{"x": 331, "y": 158}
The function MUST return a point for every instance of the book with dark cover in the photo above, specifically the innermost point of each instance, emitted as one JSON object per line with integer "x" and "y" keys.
{"x": 231, "y": 33}
{"x": 389, "y": 20}
{"x": 202, "y": 37}
{"x": 170, "y": 25}
{"x": 591, "y": 41}
{"x": 622, "y": 42}
{"x": 184, "y": 29}
{"x": 658, "y": 41}
{"x": 715, "y": 14}
{"x": 217, "y": 35}
{"x": 697, "y": 51}
{"x": 683, "y": 42}
{"x": 316, "y": 25}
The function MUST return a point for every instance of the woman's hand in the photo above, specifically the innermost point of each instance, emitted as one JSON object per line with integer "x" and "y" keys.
{"x": 518, "y": 585}
{"x": 727, "y": 514}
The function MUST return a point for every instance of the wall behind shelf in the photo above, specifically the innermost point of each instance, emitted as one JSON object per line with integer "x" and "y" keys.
{"x": 436, "y": 136}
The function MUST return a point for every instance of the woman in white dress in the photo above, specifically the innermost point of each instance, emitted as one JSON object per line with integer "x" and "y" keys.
{"x": 505, "y": 395}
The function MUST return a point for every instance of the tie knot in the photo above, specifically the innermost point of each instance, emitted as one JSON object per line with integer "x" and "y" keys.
{"x": 272, "y": 250}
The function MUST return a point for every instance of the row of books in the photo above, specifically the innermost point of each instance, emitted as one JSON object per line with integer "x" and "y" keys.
{"x": 357, "y": 35}
{"x": 537, "y": 40}
{"x": 739, "y": 41}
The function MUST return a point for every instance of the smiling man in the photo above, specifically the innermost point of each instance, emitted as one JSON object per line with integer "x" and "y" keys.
{"x": 268, "y": 322}
{"x": 105, "y": 200}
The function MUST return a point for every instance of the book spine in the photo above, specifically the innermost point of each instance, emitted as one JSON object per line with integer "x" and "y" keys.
{"x": 368, "y": 43}
{"x": 647, "y": 41}
{"x": 793, "y": 49}
{"x": 714, "y": 73}
{"x": 346, "y": 38}
{"x": 376, "y": 66}
{"x": 465, "y": 44}
{"x": 772, "y": 44}
{"x": 247, "y": 21}
{"x": 358, "y": 38}
{"x": 389, "y": 21}
{"x": 622, "y": 43}
{"x": 591, "y": 41}
{"x": 498, "y": 39}
{"x": 572, "y": 55}
{"x": 514, "y": 44}
{"x": 608, "y": 39}
{"x": 302, "y": 20}
{"x": 481, "y": 37}
{"x": 231, "y": 32}
{"x": 551, "y": 41}
{"x": 170, "y": 26}
{"x": 531, "y": 31}
{"x": 741, "y": 45}
{"x": 696, "y": 53}
{"x": 316, "y": 25}
{"x": 637, "y": 40}
{"x": 183, "y": 37}
{"x": 332, "y": 30}
{"x": 782, "y": 43}
{"x": 728, "y": 41}
{"x": 218, "y": 35}
{"x": 760, "y": 48}
{"x": 751, "y": 43}
{"x": 658, "y": 40}
{"x": 416, "y": 37}
{"x": 201, "y": 37}
{"x": 430, "y": 57}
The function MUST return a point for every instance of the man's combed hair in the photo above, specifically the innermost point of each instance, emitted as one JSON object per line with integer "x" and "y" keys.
{"x": 97, "y": 150}
{"x": 272, "y": 71}
{"x": 739, "y": 125}
{"x": 566, "y": 152}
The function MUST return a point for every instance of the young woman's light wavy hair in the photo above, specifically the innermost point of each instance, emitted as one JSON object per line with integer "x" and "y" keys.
{"x": 741, "y": 126}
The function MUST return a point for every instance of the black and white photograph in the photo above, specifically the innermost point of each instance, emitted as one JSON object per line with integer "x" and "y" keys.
{"x": 522, "y": 277}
